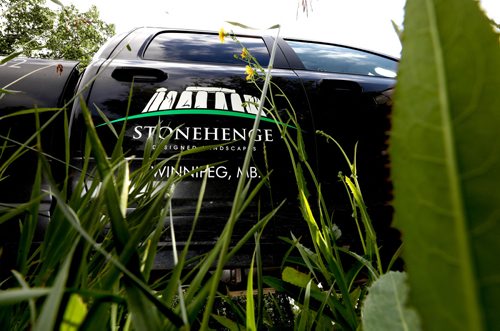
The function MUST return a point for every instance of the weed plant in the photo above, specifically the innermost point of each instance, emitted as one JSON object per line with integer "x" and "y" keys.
{"x": 327, "y": 281}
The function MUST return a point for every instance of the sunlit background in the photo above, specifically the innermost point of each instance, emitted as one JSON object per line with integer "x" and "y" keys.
{"x": 361, "y": 23}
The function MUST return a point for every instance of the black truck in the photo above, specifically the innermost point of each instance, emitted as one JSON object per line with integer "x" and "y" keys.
{"x": 192, "y": 89}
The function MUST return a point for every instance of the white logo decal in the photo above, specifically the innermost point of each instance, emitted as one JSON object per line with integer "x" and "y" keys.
{"x": 164, "y": 99}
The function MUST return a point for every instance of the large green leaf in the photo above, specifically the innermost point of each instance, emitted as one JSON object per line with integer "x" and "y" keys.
{"x": 446, "y": 163}
{"x": 385, "y": 308}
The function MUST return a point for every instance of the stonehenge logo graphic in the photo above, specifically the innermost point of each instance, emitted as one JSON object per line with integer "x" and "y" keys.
{"x": 195, "y": 100}
{"x": 202, "y": 98}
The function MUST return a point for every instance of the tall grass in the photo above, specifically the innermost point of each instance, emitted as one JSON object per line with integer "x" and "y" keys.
{"x": 96, "y": 250}
{"x": 94, "y": 267}
{"x": 327, "y": 281}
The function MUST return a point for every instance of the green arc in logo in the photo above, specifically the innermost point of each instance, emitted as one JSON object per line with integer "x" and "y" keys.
{"x": 196, "y": 112}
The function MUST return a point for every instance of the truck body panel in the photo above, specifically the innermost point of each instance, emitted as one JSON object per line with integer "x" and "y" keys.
{"x": 33, "y": 84}
{"x": 189, "y": 88}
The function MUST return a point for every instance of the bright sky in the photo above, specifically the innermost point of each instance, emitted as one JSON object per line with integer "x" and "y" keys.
{"x": 362, "y": 23}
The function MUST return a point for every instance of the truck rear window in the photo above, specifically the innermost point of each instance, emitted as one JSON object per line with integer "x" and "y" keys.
{"x": 336, "y": 59}
{"x": 203, "y": 47}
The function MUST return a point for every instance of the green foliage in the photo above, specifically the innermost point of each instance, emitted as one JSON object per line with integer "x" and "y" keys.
{"x": 95, "y": 249}
{"x": 94, "y": 266}
{"x": 78, "y": 36}
{"x": 65, "y": 33}
{"x": 325, "y": 280}
{"x": 445, "y": 163}
{"x": 109, "y": 270}
{"x": 22, "y": 24}
{"x": 50, "y": 307}
{"x": 385, "y": 307}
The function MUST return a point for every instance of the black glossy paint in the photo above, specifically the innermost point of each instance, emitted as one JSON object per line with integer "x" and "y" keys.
{"x": 35, "y": 84}
{"x": 351, "y": 108}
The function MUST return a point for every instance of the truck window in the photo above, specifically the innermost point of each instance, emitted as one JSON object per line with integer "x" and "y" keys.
{"x": 203, "y": 47}
{"x": 336, "y": 59}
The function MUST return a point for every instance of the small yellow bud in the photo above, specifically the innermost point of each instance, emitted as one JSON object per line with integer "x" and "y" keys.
{"x": 222, "y": 35}
{"x": 244, "y": 53}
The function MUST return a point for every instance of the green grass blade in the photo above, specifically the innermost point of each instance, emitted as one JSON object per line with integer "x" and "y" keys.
{"x": 250, "y": 308}
{"x": 50, "y": 308}
{"x": 9, "y": 57}
{"x": 13, "y": 295}
{"x": 144, "y": 315}
{"x": 31, "y": 301}
{"x": 228, "y": 323}
{"x": 30, "y": 111}
{"x": 134, "y": 285}
{"x": 305, "y": 312}
{"x": 31, "y": 219}
{"x": 9, "y": 211}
